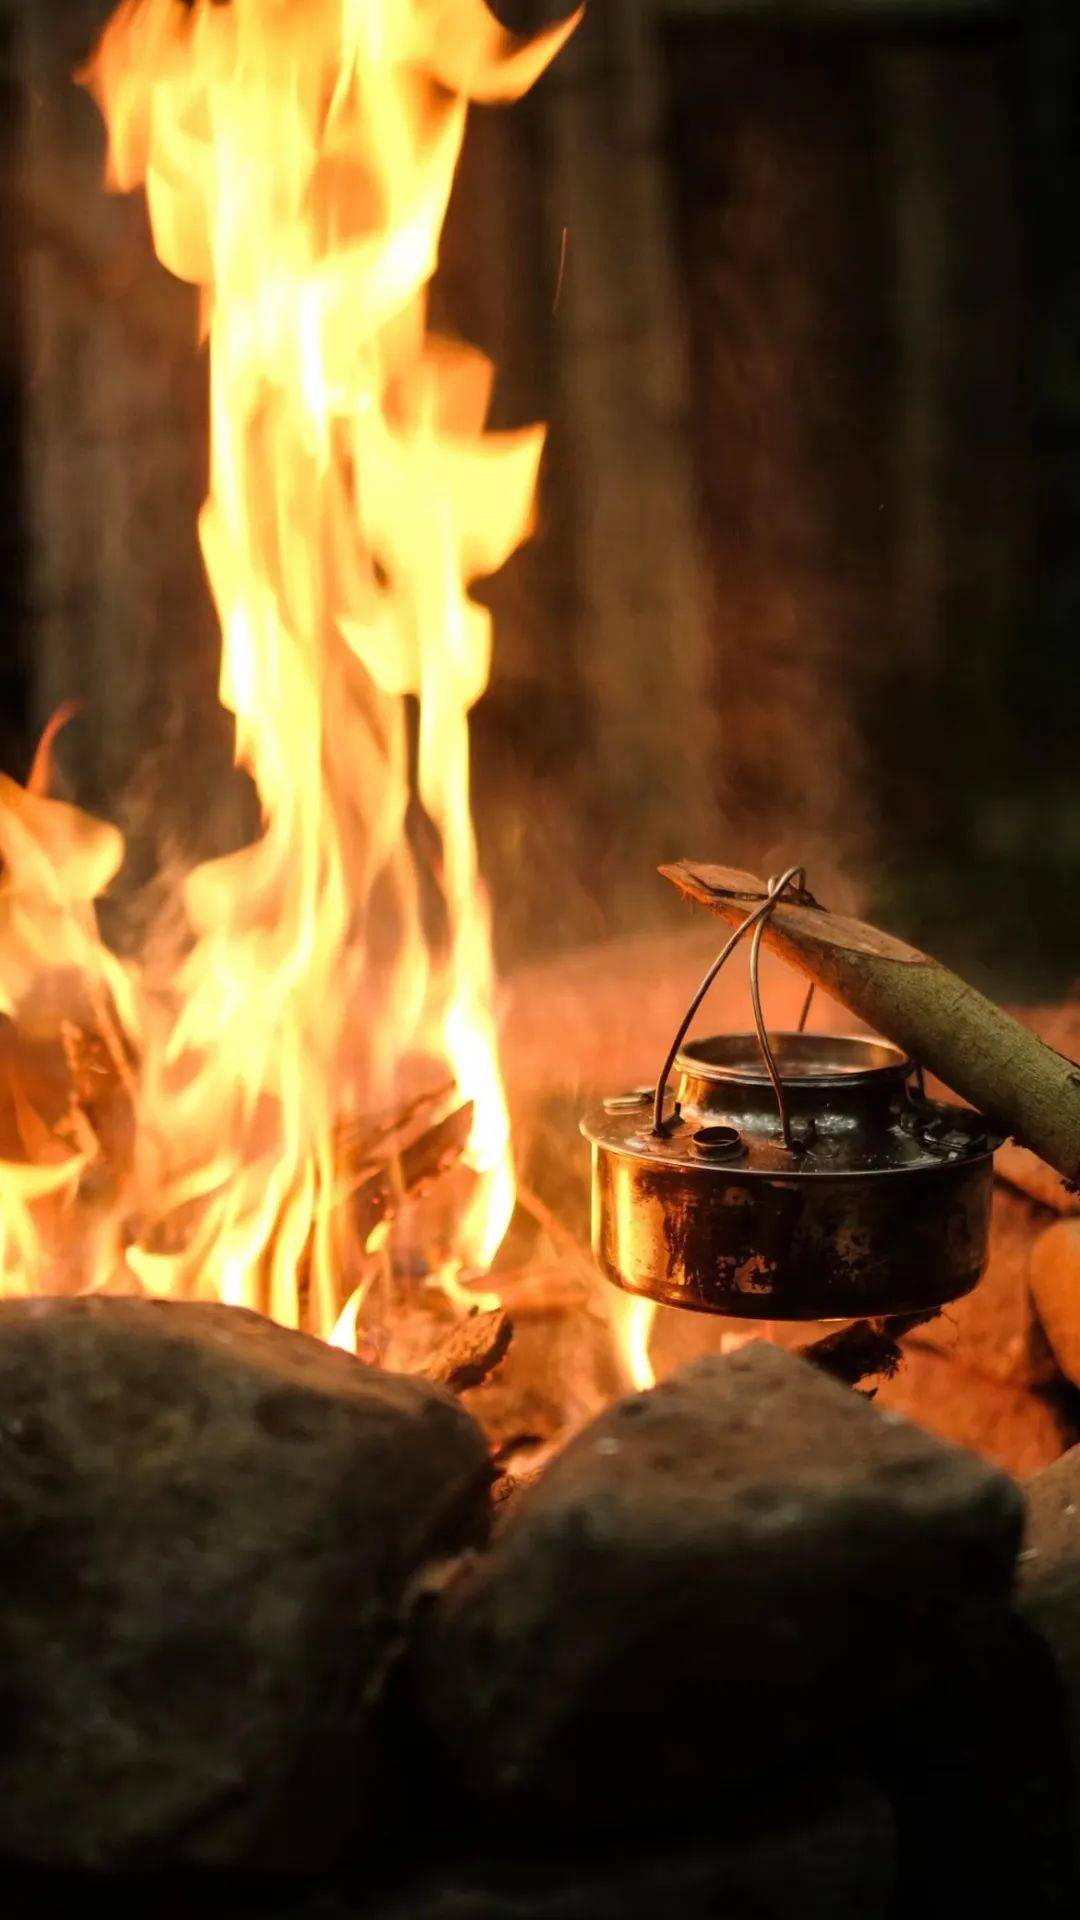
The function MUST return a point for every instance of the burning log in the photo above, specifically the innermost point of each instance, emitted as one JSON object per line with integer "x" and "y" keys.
{"x": 381, "y": 1167}
{"x": 470, "y": 1353}
{"x": 1023, "y": 1086}
{"x": 65, "y": 1086}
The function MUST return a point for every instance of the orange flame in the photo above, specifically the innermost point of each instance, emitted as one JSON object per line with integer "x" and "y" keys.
{"x": 633, "y": 1318}
{"x": 298, "y": 160}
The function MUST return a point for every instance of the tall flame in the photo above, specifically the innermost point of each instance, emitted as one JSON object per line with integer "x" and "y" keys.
{"x": 298, "y": 157}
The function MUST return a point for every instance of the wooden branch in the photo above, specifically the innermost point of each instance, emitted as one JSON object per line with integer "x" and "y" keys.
{"x": 1023, "y": 1087}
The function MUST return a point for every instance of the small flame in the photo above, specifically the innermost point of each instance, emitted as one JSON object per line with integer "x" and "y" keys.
{"x": 634, "y": 1321}
{"x": 297, "y": 161}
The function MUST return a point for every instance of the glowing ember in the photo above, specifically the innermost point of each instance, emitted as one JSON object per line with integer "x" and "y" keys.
{"x": 297, "y": 160}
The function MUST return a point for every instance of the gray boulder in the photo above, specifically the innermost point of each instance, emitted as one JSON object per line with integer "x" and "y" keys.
{"x": 209, "y": 1528}
{"x": 1049, "y": 1595}
{"x": 823, "y": 1849}
{"x": 710, "y": 1578}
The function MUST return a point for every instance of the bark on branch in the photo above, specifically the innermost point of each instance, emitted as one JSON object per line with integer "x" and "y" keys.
{"x": 1023, "y": 1087}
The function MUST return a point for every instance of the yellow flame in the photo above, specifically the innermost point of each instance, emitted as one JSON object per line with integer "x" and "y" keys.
{"x": 634, "y": 1319}
{"x": 297, "y": 161}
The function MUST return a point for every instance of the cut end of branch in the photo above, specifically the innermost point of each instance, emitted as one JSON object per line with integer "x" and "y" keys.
{"x": 708, "y": 885}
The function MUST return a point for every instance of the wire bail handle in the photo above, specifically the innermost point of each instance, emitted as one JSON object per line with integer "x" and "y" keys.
{"x": 758, "y": 917}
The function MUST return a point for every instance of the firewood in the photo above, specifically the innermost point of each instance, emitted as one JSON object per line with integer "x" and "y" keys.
{"x": 1024, "y": 1088}
{"x": 865, "y": 1348}
{"x": 382, "y": 1162}
{"x": 470, "y": 1352}
{"x": 391, "y": 1170}
{"x": 65, "y": 1087}
{"x": 361, "y": 1138}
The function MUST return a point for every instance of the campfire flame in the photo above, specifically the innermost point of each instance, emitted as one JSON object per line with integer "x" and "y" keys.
{"x": 297, "y": 161}
{"x": 633, "y": 1332}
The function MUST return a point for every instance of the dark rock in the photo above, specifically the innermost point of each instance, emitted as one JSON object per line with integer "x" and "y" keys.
{"x": 710, "y": 1577}
{"x": 976, "y": 1766}
{"x": 208, "y": 1530}
{"x": 1049, "y": 1589}
{"x": 1050, "y": 1565}
{"x": 822, "y": 1850}
{"x": 1050, "y": 1559}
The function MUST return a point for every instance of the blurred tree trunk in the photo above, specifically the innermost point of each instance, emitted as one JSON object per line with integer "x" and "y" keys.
{"x": 773, "y": 140}
{"x": 855, "y": 229}
{"x": 1050, "y": 723}
{"x": 14, "y": 665}
{"x": 621, "y": 489}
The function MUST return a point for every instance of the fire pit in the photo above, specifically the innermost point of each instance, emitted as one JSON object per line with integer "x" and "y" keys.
{"x": 339, "y": 1560}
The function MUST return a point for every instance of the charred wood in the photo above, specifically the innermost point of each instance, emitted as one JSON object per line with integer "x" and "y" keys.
{"x": 470, "y": 1353}
{"x": 381, "y": 1165}
{"x": 865, "y": 1348}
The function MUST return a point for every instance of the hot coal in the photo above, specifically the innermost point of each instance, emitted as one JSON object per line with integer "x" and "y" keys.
{"x": 208, "y": 1531}
{"x": 740, "y": 1563}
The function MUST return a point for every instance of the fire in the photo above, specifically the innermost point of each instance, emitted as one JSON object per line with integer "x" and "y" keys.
{"x": 633, "y": 1321}
{"x": 297, "y": 157}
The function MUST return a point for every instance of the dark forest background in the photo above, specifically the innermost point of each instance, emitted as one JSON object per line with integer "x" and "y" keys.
{"x": 807, "y": 577}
